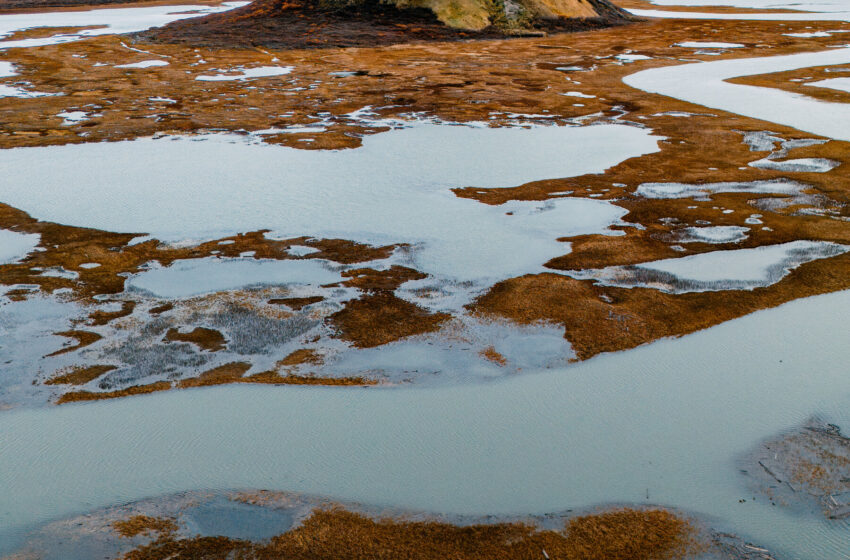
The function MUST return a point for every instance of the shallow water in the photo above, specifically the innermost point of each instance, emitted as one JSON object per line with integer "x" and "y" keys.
{"x": 395, "y": 188}
{"x": 841, "y": 84}
{"x": 666, "y": 420}
{"x": 705, "y": 84}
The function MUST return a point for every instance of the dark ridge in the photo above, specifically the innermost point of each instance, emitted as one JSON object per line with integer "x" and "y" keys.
{"x": 298, "y": 24}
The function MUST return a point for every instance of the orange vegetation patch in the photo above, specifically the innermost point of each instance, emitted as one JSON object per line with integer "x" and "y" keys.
{"x": 605, "y": 319}
{"x": 161, "y": 308}
{"x": 99, "y": 318}
{"x": 369, "y": 279}
{"x": 234, "y": 373}
{"x": 77, "y": 396}
{"x": 144, "y": 524}
{"x": 79, "y": 375}
{"x": 627, "y": 534}
{"x": 381, "y": 318}
{"x": 302, "y": 356}
{"x": 83, "y": 338}
{"x": 492, "y": 355}
{"x": 206, "y": 339}
{"x": 228, "y": 373}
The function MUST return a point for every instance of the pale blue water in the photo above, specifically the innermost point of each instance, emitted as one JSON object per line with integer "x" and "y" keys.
{"x": 668, "y": 419}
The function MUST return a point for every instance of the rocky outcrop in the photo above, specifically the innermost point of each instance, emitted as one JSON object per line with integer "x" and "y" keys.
{"x": 348, "y": 23}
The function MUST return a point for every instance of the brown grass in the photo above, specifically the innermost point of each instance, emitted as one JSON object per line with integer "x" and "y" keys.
{"x": 625, "y": 318}
{"x": 79, "y": 375}
{"x": 301, "y": 356}
{"x": 83, "y": 338}
{"x": 99, "y": 318}
{"x": 234, "y": 373}
{"x": 161, "y": 308}
{"x": 492, "y": 355}
{"x": 144, "y": 524}
{"x": 77, "y": 396}
{"x": 336, "y": 534}
{"x": 381, "y": 318}
{"x": 227, "y": 373}
{"x": 206, "y": 339}
{"x": 369, "y": 279}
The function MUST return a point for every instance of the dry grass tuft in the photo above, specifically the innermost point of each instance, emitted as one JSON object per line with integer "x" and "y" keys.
{"x": 337, "y": 534}
{"x": 381, "y": 318}
{"x": 79, "y": 375}
{"x": 206, "y": 339}
{"x": 99, "y": 318}
{"x": 77, "y": 396}
{"x": 301, "y": 356}
{"x": 228, "y": 373}
{"x": 492, "y": 355}
{"x": 143, "y": 524}
{"x": 83, "y": 338}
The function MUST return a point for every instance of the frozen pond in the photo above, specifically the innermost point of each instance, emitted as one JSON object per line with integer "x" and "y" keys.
{"x": 667, "y": 420}
{"x": 703, "y": 190}
{"x": 740, "y": 269}
{"x": 248, "y": 73}
{"x": 841, "y": 84}
{"x": 713, "y": 234}
{"x": 395, "y": 188}
{"x": 14, "y": 245}
{"x": 112, "y": 20}
{"x": 200, "y": 276}
{"x": 144, "y": 64}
